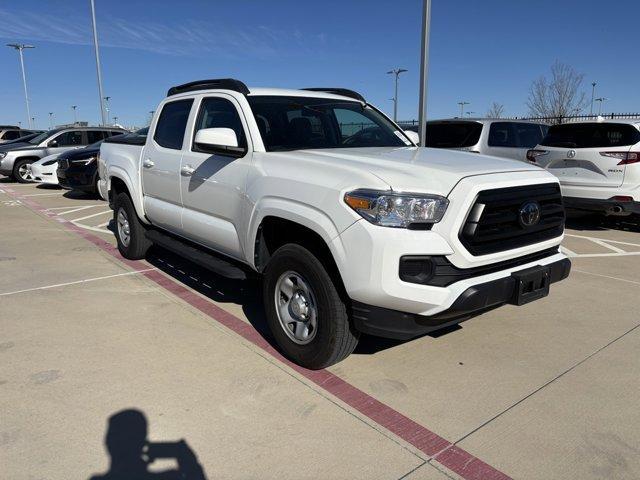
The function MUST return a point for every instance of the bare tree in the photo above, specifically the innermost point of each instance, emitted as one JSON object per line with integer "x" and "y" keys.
{"x": 496, "y": 110}
{"x": 559, "y": 96}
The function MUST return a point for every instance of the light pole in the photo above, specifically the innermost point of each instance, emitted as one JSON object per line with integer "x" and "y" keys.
{"x": 462, "y": 104}
{"x": 396, "y": 72}
{"x": 469, "y": 113}
{"x": 424, "y": 71}
{"x": 20, "y": 47}
{"x": 95, "y": 45}
{"x": 106, "y": 101}
{"x": 75, "y": 117}
{"x": 601, "y": 100}
{"x": 115, "y": 120}
{"x": 51, "y": 120}
{"x": 593, "y": 94}
{"x": 33, "y": 122}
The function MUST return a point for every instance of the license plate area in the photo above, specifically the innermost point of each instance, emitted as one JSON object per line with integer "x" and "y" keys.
{"x": 531, "y": 284}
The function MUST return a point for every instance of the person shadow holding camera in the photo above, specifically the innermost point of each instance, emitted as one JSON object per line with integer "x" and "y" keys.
{"x": 132, "y": 454}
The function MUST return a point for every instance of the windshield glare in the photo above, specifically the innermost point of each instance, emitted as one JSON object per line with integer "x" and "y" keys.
{"x": 301, "y": 123}
{"x": 36, "y": 140}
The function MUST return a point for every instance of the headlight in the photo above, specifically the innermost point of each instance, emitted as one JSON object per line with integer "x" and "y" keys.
{"x": 49, "y": 162}
{"x": 400, "y": 210}
{"x": 84, "y": 161}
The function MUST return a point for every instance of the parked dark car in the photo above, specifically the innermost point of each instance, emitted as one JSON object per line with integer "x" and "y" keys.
{"x": 78, "y": 169}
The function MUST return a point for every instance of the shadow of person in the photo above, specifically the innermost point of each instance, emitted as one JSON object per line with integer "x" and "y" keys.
{"x": 132, "y": 454}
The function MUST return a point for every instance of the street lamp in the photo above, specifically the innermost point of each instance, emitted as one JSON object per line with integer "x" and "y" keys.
{"x": 115, "y": 120}
{"x": 601, "y": 100}
{"x": 97, "y": 51}
{"x": 106, "y": 101}
{"x": 462, "y": 104}
{"x": 424, "y": 70}
{"x": 51, "y": 120}
{"x": 396, "y": 72}
{"x": 469, "y": 113}
{"x": 33, "y": 122}
{"x": 593, "y": 94}
{"x": 75, "y": 117}
{"x": 20, "y": 47}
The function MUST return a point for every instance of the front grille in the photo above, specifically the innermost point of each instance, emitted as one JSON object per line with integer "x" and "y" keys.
{"x": 494, "y": 225}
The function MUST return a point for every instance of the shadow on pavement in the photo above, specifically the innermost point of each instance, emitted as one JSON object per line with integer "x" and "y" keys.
{"x": 248, "y": 294}
{"x": 132, "y": 454}
{"x": 603, "y": 223}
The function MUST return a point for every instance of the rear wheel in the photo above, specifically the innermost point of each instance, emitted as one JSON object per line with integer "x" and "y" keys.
{"x": 305, "y": 312}
{"x": 22, "y": 171}
{"x": 132, "y": 242}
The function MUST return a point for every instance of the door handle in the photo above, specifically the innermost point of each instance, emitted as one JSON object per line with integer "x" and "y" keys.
{"x": 187, "y": 171}
{"x": 148, "y": 163}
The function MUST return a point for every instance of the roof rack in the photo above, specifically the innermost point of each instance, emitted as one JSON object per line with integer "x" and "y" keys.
{"x": 218, "y": 83}
{"x": 345, "y": 92}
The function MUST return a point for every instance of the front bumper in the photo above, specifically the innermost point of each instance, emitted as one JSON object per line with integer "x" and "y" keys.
{"x": 399, "y": 325}
{"x": 77, "y": 178}
{"x": 607, "y": 207}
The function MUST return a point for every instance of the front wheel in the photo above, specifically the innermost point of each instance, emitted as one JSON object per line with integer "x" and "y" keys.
{"x": 132, "y": 242}
{"x": 22, "y": 171}
{"x": 305, "y": 312}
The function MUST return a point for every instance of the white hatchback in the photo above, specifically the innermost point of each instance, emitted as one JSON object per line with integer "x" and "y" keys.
{"x": 598, "y": 164}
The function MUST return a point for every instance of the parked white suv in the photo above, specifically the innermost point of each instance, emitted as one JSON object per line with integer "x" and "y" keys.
{"x": 598, "y": 164}
{"x": 498, "y": 137}
{"x": 351, "y": 230}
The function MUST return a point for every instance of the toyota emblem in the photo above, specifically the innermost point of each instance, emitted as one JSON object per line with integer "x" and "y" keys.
{"x": 529, "y": 214}
{"x": 571, "y": 154}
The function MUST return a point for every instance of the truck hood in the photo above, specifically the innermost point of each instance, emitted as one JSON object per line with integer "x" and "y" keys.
{"x": 416, "y": 169}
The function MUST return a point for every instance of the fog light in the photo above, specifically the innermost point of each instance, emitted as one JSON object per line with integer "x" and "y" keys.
{"x": 416, "y": 269}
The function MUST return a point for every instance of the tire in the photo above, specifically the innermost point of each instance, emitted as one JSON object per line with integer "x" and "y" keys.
{"x": 133, "y": 246}
{"x": 19, "y": 173}
{"x": 307, "y": 284}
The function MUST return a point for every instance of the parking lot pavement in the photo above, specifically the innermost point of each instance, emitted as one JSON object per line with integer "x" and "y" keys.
{"x": 547, "y": 390}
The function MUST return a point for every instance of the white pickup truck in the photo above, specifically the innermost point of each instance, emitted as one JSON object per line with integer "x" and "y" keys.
{"x": 351, "y": 227}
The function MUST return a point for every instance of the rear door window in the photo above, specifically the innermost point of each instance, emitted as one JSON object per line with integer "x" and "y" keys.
{"x": 453, "y": 134}
{"x": 591, "y": 135}
{"x": 94, "y": 136}
{"x": 503, "y": 134}
{"x": 172, "y": 123}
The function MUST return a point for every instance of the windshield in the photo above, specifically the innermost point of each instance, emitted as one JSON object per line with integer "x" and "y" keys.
{"x": 453, "y": 134}
{"x": 301, "y": 123}
{"x": 591, "y": 135}
{"x": 43, "y": 136}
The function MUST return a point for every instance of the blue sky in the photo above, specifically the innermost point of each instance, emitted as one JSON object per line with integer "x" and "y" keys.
{"x": 481, "y": 51}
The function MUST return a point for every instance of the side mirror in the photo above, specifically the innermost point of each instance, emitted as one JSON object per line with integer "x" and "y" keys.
{"x": 221, "y": 141}
{"x": 52, "y": 143}
{"x": 413, "y": 136}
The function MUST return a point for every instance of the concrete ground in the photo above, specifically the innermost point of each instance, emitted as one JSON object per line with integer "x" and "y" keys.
{"x": 547, "y": 390}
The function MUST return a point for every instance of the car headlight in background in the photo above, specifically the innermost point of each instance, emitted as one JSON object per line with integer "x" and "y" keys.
{"x": 84, "y": 161}
{"x": 49, "y": 162}
{"x": 400, "y": 210}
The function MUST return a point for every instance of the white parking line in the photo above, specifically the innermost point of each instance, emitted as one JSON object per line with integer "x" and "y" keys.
{"x": 605, "y": 243}
{"x": 135, "y": 272}
{"x": 90, "y": 216}
{"x": 93, "y": 229}
{"x": 606, "y": 276}
{"x": 73, "y": 209}
{"x": 567, "y": 252}
{"x": 43, "y": 194}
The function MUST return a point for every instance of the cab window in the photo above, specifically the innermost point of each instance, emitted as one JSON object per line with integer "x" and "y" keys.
{"x": 220, "y": 113}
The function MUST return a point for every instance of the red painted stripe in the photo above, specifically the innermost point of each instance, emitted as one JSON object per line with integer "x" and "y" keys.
{"x": 444, "y": 452}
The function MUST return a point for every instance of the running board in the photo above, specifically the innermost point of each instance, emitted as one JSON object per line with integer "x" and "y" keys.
{"x": 197, "y": 255}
